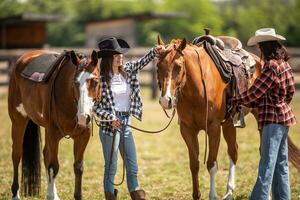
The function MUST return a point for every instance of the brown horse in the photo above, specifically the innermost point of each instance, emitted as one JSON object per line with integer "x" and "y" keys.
{"x": 62, "y": 106}
{"x": 190, "y": 81}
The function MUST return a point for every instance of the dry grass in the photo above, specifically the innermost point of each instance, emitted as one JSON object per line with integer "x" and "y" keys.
{"x": 163, "y": 161}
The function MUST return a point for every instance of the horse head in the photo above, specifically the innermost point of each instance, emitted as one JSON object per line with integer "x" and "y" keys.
{"x": 171, "y": 72}
{"x": 87, "y": 84}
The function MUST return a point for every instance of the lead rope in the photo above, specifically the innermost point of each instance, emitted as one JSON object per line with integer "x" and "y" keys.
{"x": 206, "y": 102}
{"x": 111, "y": 155}
{"x": 139, "y": 129}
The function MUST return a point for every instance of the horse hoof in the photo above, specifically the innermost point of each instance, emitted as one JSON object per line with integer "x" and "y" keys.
{"x": 213, "y": 198}
{"x": 228, "y": 196}
{"x": 16, "y": 197}
{"x": 52, "y": 197}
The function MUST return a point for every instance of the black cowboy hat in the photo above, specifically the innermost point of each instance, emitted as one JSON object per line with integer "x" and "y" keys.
{"x": 111, "y": 46}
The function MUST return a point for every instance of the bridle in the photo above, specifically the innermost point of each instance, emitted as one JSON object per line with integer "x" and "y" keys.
{"x": 179, "y": 85}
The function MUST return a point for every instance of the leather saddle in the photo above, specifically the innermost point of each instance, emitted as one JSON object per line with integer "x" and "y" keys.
{"x": 235, "y": 65}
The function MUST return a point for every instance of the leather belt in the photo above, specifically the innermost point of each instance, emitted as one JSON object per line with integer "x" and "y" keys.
{"x": 122, "y": 113}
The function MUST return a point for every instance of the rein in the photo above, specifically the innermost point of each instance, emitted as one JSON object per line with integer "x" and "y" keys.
{"x": 53, "y": 101}
{"x": 52, "y": 97}
{"x": 206, "y": 102}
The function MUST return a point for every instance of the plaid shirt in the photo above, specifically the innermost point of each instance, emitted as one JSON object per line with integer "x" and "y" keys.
{"x": 271, "y": 93}
{"x": 105, "y": 108}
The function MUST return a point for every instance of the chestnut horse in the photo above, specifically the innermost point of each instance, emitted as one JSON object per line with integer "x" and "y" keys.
{"x": 62, "y": 106}
{"x": 190, "y": 81}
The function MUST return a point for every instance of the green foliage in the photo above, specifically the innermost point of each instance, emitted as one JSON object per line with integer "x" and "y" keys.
{"x": 245, "y": 17}
{"x": 293, "y": 30}
{"x": 200, "y": 14}
{"x": 11, "y": 7}
{"x": 239, "y": 18}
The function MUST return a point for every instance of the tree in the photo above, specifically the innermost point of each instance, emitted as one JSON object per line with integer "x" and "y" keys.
{"x": 245, "y": 17}
{"x": 200, "y": 14}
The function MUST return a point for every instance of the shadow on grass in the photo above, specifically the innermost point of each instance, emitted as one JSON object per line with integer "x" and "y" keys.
{"x": 241, "y": 197}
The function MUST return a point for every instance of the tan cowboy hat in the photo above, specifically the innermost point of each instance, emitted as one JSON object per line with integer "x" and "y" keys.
{"x": 264, "y": 34}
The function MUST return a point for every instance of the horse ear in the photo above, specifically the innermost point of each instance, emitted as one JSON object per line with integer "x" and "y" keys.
{"x": 159, "y": 40}
{"x": 94, "y": 57}
{"x": 182, "y": 44}
{"x": 74, "y": 58}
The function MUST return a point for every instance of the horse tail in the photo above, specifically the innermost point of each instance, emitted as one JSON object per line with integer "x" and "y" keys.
{"x": 31, "y": 163}
{"x": 294, "y": 153}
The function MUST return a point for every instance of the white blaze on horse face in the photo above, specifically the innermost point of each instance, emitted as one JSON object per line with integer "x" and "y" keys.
{"x": 85, "y": 102}
{"x": 165, "y": 100}
{"x": 212, "y": 172}
{"x": 52, "y": 192}
{"x": 21, "y": 110}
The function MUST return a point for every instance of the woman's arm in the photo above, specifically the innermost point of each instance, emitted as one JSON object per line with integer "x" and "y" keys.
{"x": 142, "y": 62}
{"x": 261, "y": 85}
{"x": 102, "y": 113}
{"x": 290, "y": 88}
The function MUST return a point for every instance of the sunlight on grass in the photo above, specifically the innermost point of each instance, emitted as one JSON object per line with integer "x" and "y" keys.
{"x": 163, "y": 160}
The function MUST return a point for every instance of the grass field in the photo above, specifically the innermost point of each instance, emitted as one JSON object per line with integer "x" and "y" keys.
{"x": 163, "y": 160}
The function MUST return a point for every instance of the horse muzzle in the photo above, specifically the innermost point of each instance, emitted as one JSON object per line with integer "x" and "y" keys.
{"x": 84, "y": 120}
{"x": 166, "y": 102}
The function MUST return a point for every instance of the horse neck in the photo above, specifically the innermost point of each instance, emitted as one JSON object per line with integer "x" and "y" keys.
{"x": 193, "y": 72}
{"x": 201, "y": 71}
{"x": 64, "y": 89}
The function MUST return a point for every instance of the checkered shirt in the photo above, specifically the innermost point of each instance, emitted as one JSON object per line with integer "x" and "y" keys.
{"x": 105, "y": 108}
{"x": 271, "y": 93}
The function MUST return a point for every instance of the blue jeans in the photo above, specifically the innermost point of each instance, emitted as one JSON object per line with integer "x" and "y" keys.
{"x": 123, "y": 138}
{"x": 273, "y": 165}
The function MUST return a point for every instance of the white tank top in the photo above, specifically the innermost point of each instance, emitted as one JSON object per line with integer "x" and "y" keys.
{"x": 121, "y": 93}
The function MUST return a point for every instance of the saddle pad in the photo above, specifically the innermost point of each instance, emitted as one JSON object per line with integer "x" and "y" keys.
{"x": 225, "y": 72}
{"x": 41, "y": 67}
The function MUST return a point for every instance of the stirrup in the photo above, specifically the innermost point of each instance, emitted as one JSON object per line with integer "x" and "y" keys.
{"x": 238, "y": 119}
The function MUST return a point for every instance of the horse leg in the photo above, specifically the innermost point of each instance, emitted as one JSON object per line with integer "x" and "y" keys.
{"x": 214, "y": 140}
{"x": 80, "y": 143}
{"x": 190, "y": 137}
{"x": 51, "y": 161}
{"x": 18, "y": 131}
{"x": 229, "y": 133}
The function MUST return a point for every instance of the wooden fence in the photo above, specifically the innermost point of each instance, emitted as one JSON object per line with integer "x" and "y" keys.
{"x": 8, "y": 59}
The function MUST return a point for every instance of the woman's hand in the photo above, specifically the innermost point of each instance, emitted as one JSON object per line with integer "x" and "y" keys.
{"x": 160, "y": 49}
{"x": 116, "y": 124}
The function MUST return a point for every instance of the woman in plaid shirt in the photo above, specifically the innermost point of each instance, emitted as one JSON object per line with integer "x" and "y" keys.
{"x": 272, "y": 93}
{"x": 120, "y": 99}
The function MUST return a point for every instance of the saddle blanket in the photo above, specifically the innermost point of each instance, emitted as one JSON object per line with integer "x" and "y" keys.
{"x": 41, "y": 67}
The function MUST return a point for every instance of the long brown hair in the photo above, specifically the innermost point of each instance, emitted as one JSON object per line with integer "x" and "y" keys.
{"x": 106, "y": 70}
{"x": 273, "y": 50}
